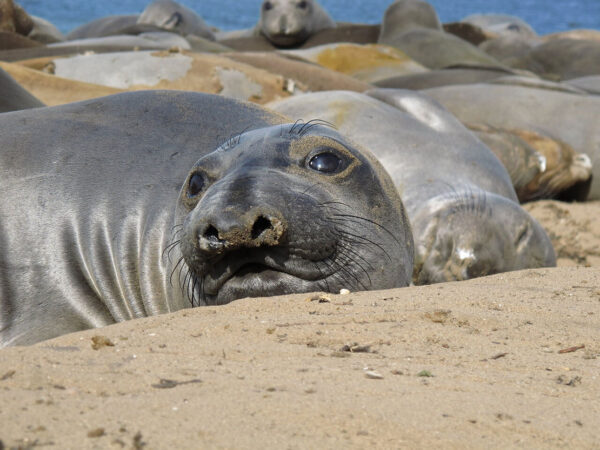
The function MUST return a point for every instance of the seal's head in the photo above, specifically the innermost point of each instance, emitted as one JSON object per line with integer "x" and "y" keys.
{"x": 285, "y": 209}
{"x": 287, "y": 22}
{"x": 405, "y": 15}
{"x": 476, "y": 233}
{"x": 176, "y": 18}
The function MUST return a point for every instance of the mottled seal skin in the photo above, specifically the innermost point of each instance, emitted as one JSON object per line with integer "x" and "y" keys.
{"x": 172, "y": 16}
{"x": 288, "y": 23}
{"x": 561, "y": 114}
{"x": 13, "y": 96}
{"x": 142, "y": 203}
{"x": 464, "y": 213}
{"x": 539, "y": 166}
{"x": 13, "y": 18}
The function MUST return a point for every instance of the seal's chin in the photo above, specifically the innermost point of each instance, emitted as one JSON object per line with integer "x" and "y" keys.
{"x": 288, "y": 39}
{"x": 256, "y": 280}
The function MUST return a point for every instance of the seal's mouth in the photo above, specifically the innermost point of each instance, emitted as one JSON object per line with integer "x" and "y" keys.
{"x": 259, "y": 273}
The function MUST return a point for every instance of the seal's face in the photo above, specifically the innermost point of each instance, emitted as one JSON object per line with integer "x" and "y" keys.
{"x": 477, "y": 234}
{"x": 286, "y": 22}
{"x": 291, "y": 208}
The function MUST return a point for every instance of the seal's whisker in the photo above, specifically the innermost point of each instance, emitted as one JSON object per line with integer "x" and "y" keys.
{"x": 314, "y": 122}
{"x": 341, "y": 272}
{"x": 370, "y": 221}
{"x": 169, "y": 248}
{"x": 293, "y": 127}
{"x": 173, "y": 271}
{"x": 361, "y": 240}
{"x": 351, "y": 250}
{"x": 348, "y": 259}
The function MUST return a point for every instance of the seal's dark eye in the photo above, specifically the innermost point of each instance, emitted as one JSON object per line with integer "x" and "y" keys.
{"x": 267, "y": 6}
{"x": 196, "y": 184}
{"x": 302, "y": 5}
{"x": 174, "y": 21}
{"x": 325, "y": 162}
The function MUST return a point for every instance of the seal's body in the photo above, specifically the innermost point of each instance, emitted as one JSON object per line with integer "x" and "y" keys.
{"x": 103, "y": 26}
{"x": 562, "y": 114}
{"x": 288, "y": 23}
{"x": 413, "y": 27}
{"x": 95, "y": 226}
{"x": 464, "y": 213}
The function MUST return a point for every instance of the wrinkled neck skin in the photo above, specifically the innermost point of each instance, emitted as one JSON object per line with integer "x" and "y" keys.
{"x": 265, "y": 223}
{"x": 473, "y": 233}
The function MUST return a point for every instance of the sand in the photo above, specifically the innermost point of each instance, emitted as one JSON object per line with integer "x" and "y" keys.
{"x": 505, "y": 361}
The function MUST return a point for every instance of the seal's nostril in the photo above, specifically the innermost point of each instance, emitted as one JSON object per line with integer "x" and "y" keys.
{"x": 260, "y": 225}
{"x": 211, "y": 234}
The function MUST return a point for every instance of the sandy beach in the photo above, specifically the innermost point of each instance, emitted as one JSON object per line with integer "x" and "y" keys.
{"x": 504, "y": 361}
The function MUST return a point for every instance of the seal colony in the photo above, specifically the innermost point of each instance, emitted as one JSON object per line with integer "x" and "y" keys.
{"x": 92, "y": 234}
{"x": 143, "y": 203}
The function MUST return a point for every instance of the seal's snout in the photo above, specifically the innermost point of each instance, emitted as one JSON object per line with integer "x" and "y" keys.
{"x": 231, "y": 231}
{"x": 283, "y": 28}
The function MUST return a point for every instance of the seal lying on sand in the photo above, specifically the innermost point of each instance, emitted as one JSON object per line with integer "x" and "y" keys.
{"x": 95, "y": 226}
{"x": 103, "y": 26}
{"x": 464, "y": 213}
{"x": 288, "y": 23}
{"x": 565, "y": 116}
{"x": 413, "y": 27}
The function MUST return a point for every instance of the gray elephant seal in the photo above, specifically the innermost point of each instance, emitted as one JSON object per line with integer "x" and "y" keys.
{"x": 288, "y": 23}
{"x": 92, "y": 234}
{"x": 413, "y": 27}
{"x": 172, "y": 16}
{"x": 405, "y": 15}
{"x": 464, "y": 213}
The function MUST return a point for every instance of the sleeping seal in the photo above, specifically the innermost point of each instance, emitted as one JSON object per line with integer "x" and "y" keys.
{"x": 464, "y": 213}
{"x": 172, "y": 16}
{"x": 288, "y": 23}
{"x": 142, "y": 203}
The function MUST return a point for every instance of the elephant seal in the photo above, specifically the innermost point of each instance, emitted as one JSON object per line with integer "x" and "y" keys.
{"x": 13, "y": 18}
{"x": 539, "y": 166}
{"x": 172, "y": 16}
{"x": 563, "y": 59}
{"x": 442, "y": 77}
{"x": 104, "y": 26}
{"x": 405, "y": 15}
{"x": 464, "y": 213}
{"x": 288, "y": 23}
{"x": 564, "y": 116}
{"x": 502, "y": 25}
{"x": 147, "y": 202}
{"x": 13, "y": 96}
{"x": 44, "y": 31}
{"x": 413, "y": 27}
